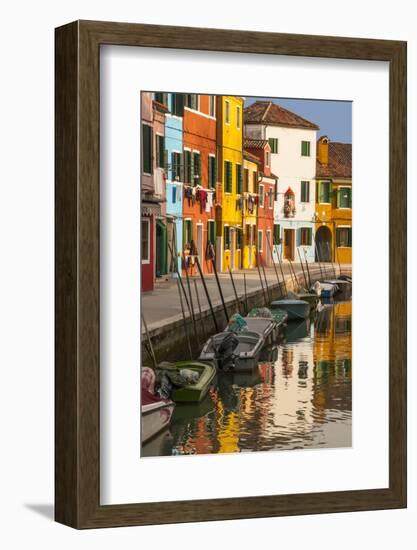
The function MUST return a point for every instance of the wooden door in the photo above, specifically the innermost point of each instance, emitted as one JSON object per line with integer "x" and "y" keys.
{"x": 289, "y": 244}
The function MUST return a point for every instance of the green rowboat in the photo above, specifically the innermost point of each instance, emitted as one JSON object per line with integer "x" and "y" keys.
{"x": 191, "y": 393}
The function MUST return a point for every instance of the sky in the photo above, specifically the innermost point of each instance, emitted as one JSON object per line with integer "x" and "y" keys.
{"x": 333, "y": 117}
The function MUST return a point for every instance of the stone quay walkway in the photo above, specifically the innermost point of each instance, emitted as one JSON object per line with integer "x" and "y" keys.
{"x": 162, "y": 305}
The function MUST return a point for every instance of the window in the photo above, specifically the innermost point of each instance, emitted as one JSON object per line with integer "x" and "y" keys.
{"x": 267, "y": 158}
{"x": 306, "y": 236}
{"x": 161, "y": 98}
{"x": 227, "y": 112}
{"x": 160, "y": 151}
{"x": 178, "y": 104}
{"x": 270, "y": 199}
{"x": 277, "y": 233}
{"x": 187, "y": 166}
{"x": 147, "y": 149}
{"x": 212, "y": 171}
{"x": 260, "y": 240}
{"x": 176, "y": 166}
{"x": 344, "y": 197}
{"x": 226, "y": 237}
{"x": 227, "y": 176}
{"x": 188, "y": 232}
{"x": 174, "y": 194}
{"x": 238, "y": 118}
{"x": 305, "y": 191}
{"x": 191, "y": 101}
{"x": 239, "y": 182}
{"x": 305, "y": 148}
{"x": 255, "y": 182}
{"x": 238, "y": 238}
{"x": 261, "y": 196}
{"x": 211, "y": 232}
{"x": 197, "y": 168}
{"x": 324, "y": 192}
{"x": 273, "y": 143}
{"x": 212, "y": 105}
{"x": 246, "y": 180}
{"x": 145, "y": 241}
{"x": 344, "y": 236}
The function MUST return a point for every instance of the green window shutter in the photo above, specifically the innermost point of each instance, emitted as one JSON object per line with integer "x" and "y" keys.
{"x": 305, "y": 148}
{"x": 197, "y": 169}
{"x": 209, "y": 168}
{"x": 309, "y": 236}
{"x": 191, "y": 167}
{"x": 238, "y": 179}
{"x": 147, "y": 148}
{"x": 338, "y": 202}
{"x": 349, "y": 236}
{"x": 276, "y": 233}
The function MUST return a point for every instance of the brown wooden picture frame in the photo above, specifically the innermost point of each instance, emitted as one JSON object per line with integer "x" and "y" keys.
{"x": 77, "y": 358}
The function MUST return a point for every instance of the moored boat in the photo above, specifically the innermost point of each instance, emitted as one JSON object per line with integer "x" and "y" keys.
{"x": 156, "y": 414}
{"x": 296, "y": 309}
{"x": 233, "y": 352}
{"x": 279, "y": 315}
{"x": 267, "y": 327}
{"x": 187, "y": 388}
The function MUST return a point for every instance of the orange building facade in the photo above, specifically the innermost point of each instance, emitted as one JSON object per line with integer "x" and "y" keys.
{"x": 200, "y": 176}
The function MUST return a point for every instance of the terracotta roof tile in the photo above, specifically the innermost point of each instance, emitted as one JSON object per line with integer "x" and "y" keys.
{"x": 270, "y": 113}
{"x": 340, "y": 161}
{"x": 250, "y": 156}
{"x": 249, "y": 143}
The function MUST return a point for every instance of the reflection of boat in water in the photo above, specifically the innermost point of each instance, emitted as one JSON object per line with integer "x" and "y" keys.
{"x": 186, "y": 411}
{"x": 296, "y": 309}
{"x": 269, "y": 354}
{"x": 160, "y": 445}
{"x": 297, "y": 329}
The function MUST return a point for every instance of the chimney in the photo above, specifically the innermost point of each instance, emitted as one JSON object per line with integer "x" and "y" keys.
{"x": 323, "y": 150}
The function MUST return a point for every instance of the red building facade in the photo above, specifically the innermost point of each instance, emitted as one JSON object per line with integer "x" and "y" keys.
{"x": 200, "y": 175}
{"x": 267, "y": 189}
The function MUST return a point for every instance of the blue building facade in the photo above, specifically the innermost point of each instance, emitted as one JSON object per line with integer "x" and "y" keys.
{"x": 175, "y": 174}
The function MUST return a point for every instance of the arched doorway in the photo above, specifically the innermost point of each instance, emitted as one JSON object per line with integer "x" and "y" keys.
{"x": 323, "y": 244}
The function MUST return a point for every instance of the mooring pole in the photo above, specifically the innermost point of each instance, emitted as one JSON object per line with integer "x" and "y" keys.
{"x": 180, "y": 280}
{"x": 203, "y": 280}
{"x": 318, "y": 259}
{"x": 191, "y": 303}
{"x": 266, "y": 281}
{"x": 331, "y": 260}
{"x": 184, "y": 320}
{"x": 199, "y": 310}
{"x": 246, "y": 295}
{"x": 308, "y": 270}
{"x": 273, "y": 263}
{"x": 260, "y": 278}
{"x": 282, "y": 271}
{"x": 151, "y": 350}
{"x": 302, "y": 266}
{"x": 220, "y": 289}
{"x": 338, "y": 261}
{"x": 234, "y": 291}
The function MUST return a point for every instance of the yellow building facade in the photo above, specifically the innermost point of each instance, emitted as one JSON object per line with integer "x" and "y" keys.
{"x": 230, "y": 165}
{"x": 250, "y": 209}
{"x": 333, "y": 228}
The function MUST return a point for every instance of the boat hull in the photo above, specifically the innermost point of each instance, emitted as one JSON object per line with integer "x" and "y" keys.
{"x": 155, "y": 418}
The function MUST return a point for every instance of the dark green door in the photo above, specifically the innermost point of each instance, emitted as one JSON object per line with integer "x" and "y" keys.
{"x": 161, "y": 249}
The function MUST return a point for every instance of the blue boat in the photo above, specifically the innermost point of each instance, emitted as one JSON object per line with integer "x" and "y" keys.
{"x": 296, "y": 309}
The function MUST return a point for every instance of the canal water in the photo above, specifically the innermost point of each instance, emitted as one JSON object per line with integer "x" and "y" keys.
{"x": 299, "y": 397}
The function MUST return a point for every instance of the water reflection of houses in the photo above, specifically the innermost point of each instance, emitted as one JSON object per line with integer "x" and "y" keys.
{"x": 332, "y": 358}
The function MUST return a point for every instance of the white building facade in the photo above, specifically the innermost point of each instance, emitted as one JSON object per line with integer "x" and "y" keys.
{"x": 293, "y": 142}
